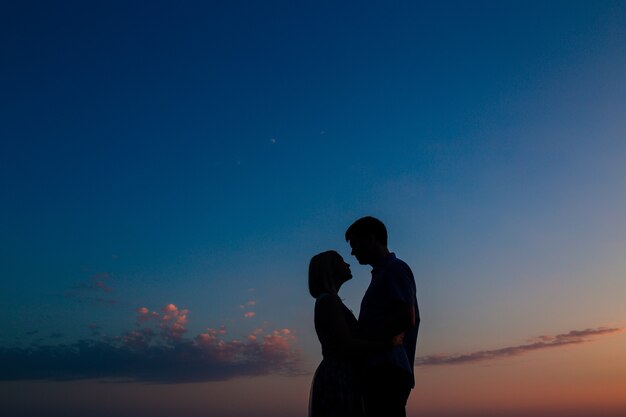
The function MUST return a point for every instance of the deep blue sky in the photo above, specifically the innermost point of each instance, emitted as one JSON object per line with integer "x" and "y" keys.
{"x": 188, "y": 153}
{"x": 151, "y": 133}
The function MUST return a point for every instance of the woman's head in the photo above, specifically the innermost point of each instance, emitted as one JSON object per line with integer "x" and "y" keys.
{"x": 327, "y": 271}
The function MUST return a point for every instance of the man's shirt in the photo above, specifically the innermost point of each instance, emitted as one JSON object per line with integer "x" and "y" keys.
{"x": 392, "y": 283}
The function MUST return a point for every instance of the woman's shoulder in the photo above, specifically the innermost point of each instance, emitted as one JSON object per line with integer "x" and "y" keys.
{"x": 329, "y": 303}
{"x": 327, "y": 298}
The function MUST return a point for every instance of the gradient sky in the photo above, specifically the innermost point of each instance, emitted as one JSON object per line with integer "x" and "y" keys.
{"x": 167, "y": 171}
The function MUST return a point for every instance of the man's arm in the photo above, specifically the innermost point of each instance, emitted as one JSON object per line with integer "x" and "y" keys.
{"x": 329, "y": 312}
{"x": 397, "y": 321}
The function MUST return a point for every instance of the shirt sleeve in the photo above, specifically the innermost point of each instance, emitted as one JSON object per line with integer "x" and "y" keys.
{"x": 401, "y": 284}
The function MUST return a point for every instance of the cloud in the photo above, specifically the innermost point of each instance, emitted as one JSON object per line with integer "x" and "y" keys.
{"x": 248, "y": 306}
{"x": 93, "y": 290}
{"x": 101, "y": 282}
{"x": 156, "y": 352}
{"x": 171, "y": 321}
{"x": 573, "y": 337}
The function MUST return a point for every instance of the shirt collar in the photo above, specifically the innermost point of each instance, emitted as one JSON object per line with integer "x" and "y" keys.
{"x": 382, "y": 264}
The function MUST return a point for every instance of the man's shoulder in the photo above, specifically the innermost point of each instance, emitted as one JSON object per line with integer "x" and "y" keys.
{"x": 397, "y": 265}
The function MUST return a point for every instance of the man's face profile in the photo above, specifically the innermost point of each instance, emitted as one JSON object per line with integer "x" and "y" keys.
{"x": 362, "y": 249}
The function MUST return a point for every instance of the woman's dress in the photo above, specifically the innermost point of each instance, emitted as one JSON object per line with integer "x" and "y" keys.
{"x": 335, "y": 389}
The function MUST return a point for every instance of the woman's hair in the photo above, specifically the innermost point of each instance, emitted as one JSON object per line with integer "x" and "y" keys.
{"x": 321, "y": 270}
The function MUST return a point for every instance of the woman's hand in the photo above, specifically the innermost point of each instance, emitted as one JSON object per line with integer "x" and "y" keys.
{"x": 397, "y": 340}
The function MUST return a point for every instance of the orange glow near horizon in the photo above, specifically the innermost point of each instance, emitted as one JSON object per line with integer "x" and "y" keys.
{"x": 563, "y": 381}
{"x": 569, "y": 378}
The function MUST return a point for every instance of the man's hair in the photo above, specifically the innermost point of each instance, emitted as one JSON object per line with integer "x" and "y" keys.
{"x": 365, "y": 227}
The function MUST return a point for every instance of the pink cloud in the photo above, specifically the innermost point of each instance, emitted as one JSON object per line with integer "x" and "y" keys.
{"x": 277, "y": 342}
{"x": 157, "y": 351}
{"x": 143, "y": 313}
{"x": 172, "y": 321}
{"x": 250, "y": 303}
{"x": 249, "y": 314}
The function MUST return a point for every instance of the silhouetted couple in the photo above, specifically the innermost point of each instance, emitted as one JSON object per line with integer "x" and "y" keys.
{"x": 367, "y": 366}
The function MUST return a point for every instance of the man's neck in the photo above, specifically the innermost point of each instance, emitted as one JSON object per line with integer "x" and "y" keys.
{"x": 380, "y": 255}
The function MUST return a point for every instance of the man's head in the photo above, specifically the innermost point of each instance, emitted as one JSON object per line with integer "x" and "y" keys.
{"x": 368, "y": 240}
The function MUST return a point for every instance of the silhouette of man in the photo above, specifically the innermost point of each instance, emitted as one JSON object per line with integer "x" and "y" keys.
{"x": 389, "y": 308}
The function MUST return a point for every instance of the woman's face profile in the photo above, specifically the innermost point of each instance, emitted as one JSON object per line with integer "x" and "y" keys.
{"x": 342, "y": 270}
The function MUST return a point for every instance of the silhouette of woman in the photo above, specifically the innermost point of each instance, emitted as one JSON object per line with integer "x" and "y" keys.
{"x": 335, "y": 390}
